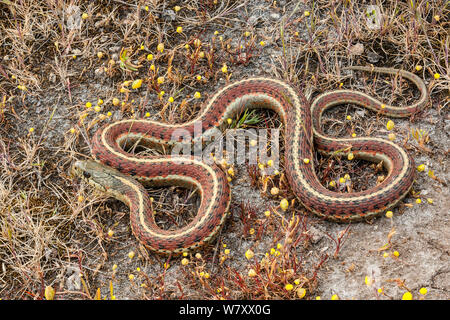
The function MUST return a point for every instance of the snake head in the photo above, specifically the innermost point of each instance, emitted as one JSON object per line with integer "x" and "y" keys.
{"x": 100, "y": 176}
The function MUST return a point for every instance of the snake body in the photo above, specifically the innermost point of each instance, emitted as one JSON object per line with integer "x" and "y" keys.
{"x": 302, "y": 123}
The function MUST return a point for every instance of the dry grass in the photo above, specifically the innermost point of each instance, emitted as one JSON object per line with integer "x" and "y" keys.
{"x": 54, "y": 231}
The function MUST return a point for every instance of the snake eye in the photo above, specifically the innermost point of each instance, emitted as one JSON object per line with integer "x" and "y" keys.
{"x": 87, "y": 175}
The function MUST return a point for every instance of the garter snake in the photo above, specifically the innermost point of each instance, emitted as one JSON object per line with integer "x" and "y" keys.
{"x": 114, "y": 167}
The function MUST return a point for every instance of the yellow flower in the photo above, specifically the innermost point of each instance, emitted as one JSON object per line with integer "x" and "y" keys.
{"x": 349, "y": 117}
{"x": 179, "y": 29}
{"x": 184, "y": 261}
{"x": 115, "y": 102}
{"x": 274, "y": 191}
{"x": 421, "y": 168}
{"x": 31, "y": 130}
{"x": 136, "y": 84}
{"x": 306, "y": 160}
{"x": 114, "y": 267}
{"x": 149, "y": 57}
{"x": 160, "y": 80}
{"x": 391, "y": 136}
{"x": 72, "y": 130}
{"x": 284, "y": 204}
{"x": 99, "y": 102}
{"x": 318, "y": 298}
{"x": 171, "y": 99}
{"x": 270, "y": 163}
{"x": 332, "y": 183}
{"x": 267, "y": 213}
{"x": 224, "y": 68}
{"x": 88, "y": 105}
{"x": 418, "y": 201}
{"x": 152, "y": 67}
{"x": 177, "y": 8}
{"x": 396, "y": 253}
{"x": 199, "y": 77}
{"x": 341, "y": 180}
{"x": 226, "y": 251}
{"x": 390, "y": 125}
{"x": 247, "y": 33}
{"x": 147, "y": 114}
{"x": 407, "y": 296}
{"x": 110, "y": 233}
{"x": 100, "y": 54}
{"x": 97, "y": 108}
{"x": 109, "y": 114}
{"x": 249, "y": 254}
{"x": 423, "y": 291}
{"x": 131, "y": 276}
{"x": 436, "y": 17}
{"x": 262, "y": 43}
{"x": 334, "y": 297}
{"x": 84, "y": 16}
{"x": 437, "y": 76}
{"x": 301, "y": 292}
{"x": 198, "y": 255}
{"x": 289, "y": 287}
{"x": 131, "y": 254}
{"x": 146, "y": 8}
{"x": 160, "y": 47}
{"x": 430, "y": 201}
{"x": 306, "y": 13}
{"x": 197, "y": 42}
{"x": 354, "y": 135}
{"x": 350, "y": 156}
{"x": 251, "y": 273}
{"x": 197, "y": 95}
{"x": 49, "y": 293}
{"x": 418, "y": 67}
{"x": 389, "y": 214}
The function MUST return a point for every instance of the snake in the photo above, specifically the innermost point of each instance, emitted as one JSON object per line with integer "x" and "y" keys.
{"x": 123, "y": 174}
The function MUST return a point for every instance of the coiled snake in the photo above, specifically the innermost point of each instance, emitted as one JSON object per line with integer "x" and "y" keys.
{"x": 302, "y": 123}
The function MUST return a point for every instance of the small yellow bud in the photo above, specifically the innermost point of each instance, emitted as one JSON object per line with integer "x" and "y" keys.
{"x": 251, "y": 273}
{"x": 226, "y": 251}
{"x": 49, "y": 293}
{"x": 390, "y": 125}
{"x": 389, "y": 214}
{"x": 418, "y": 201}
{"x": 418, "y": 67}
{"x": 137, "y": 84}
{"x": 149, "y": 57}
{"x": 421, "y": 168}
{"x": 396, "y": 253}
{"x": 84, "y": 16}
{"x": 110, "y": 233}
{"x": 332, "y": 183}
{"x": 430, "y": 201}
{"x": 289, "y": 287}
{"x": 31, "y": 130}
{"x": 354, "y": 135}
{"x": 109, "y": 114}
{"x": 99, "y": 102}
{"x": 301, "y": 292}
{"x": 160, "y": 80}
{"x": 179, "y": 29}
{"x": 349, "y": 117}
{"x": 262, "y": 43}
{"x": 334, "y": 297}
{"x": 423, "y": 291}
{"x": 184, "y": 261}
{"x": 131, "y": 277}
{"x": 437, "y": 76}
{"x": 436, "y": 17}
{"x": 267, "y": 213}
{"x": 97, "y": 108}
{"x": 229, "y": 121}
{"x": 197, "y": 95}
{"x": 284, "y": 204}
{"x": 114, "y": 267}
{"x": 160, "y": 47}
{"x": 407, "y": 296}
{"x": 306, "y": 13}
{"x": 131, "y": 254}
{"x": 306, "y": 160}
{"x": 350, "y": 156}
{"x": 249, "y": 254}
{"x": 115, "y": 102}
{"x": 274, "y": 191}
{"x": 177, "y": 8}
{"x": 88, "y": 105}
{"x": 224, "y": 68}
{"x": 198, "y": 255}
